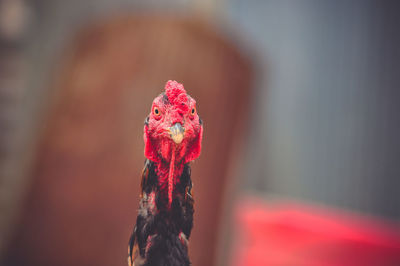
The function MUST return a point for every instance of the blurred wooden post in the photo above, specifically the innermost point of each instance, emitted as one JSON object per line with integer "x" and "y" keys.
{"x": 83, "y": 201}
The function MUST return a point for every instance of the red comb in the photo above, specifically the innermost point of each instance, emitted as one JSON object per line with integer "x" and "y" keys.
{"x": 176, "y": 95}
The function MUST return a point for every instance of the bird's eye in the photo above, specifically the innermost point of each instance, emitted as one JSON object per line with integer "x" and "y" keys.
{"x": 192, "y": 112}
{"x": 156, "y": 111}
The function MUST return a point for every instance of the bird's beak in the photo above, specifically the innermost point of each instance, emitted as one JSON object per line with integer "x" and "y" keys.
{"x": 176, "y": 132}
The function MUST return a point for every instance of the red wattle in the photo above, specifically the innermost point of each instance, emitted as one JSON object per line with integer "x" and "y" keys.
{"x": 171, "y": 176}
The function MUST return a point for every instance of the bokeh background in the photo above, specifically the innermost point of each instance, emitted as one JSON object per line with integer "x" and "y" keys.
{"x": 300, "y": 99}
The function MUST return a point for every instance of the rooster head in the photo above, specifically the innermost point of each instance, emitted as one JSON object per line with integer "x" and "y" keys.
{"x": 173, "y": 129}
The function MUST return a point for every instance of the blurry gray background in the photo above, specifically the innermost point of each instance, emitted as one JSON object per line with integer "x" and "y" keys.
{"x": 326, "y": 114}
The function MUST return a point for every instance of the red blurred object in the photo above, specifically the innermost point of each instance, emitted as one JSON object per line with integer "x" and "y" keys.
{"x": 295, "y": 234}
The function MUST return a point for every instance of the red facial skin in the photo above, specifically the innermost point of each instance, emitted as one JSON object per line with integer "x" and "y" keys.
{"x": 175, "y": 106}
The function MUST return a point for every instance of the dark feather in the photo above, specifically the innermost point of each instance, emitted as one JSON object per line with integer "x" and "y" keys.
{"x": 161, "y": 234}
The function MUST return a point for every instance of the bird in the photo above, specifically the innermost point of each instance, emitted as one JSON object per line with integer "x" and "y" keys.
{"x": 173, "y": 133}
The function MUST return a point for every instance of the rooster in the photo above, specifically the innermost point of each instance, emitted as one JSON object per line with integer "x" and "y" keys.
{"x": 172, "y": 136}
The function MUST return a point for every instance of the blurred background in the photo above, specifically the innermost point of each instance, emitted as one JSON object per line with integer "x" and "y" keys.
{"x": 301, "y": 152}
